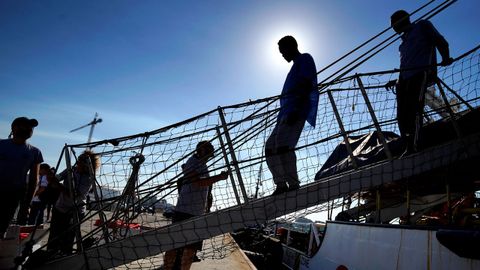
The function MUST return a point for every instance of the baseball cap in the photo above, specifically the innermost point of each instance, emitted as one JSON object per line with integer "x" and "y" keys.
{"x": 24, "y": 121}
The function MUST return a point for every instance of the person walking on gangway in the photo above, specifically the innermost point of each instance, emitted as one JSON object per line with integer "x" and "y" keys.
{"x": 418, "y": 70}
{"x": 298, "y": 103}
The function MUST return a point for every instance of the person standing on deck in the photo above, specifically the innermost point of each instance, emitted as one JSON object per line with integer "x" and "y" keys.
{"x": 418, "y": 70}
{"x": 298, "y": 103}
{"x": 37, "y": 206}
{"x": 17, "y": 158}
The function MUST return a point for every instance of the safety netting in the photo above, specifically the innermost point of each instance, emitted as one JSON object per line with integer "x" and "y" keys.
{"x": 128, "y": 219}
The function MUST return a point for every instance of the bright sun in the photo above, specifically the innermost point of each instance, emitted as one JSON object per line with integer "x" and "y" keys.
{"x": 270, "y": 50}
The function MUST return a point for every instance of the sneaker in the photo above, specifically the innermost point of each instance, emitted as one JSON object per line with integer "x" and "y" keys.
{"x": 280, "y": 190}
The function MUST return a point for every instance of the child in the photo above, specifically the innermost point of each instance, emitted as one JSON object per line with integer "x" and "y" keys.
{"x": 37, "y": 207}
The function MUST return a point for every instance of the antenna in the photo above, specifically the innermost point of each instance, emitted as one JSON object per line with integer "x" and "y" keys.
{"x": 92, "y": 124}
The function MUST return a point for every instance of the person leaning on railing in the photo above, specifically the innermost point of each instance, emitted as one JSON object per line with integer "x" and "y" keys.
{"x": 62, "y": 235}
{"x": 418, "y": 70}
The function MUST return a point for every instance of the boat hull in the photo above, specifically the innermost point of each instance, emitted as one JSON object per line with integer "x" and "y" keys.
{"x": 365, "y": 246}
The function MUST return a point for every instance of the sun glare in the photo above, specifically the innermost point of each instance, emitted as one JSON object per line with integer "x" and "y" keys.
{"x": 270, "y": 47}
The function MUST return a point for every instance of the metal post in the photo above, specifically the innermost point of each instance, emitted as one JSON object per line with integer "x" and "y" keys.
{"x": 102, "y": 215}
{"x": 342, "y": 129}
{"x": 232, "y": 154}
{"x": 374, "y": 119}
{"x": 358, "y": 206}
{"x": 408, "y": 205}
{"x": 225, "y": 157}
{"x": 71, "y": 192}
{"x": 450, "y": 111}
{"x": 378, "y": 205}
{"x": 331, "y": 209}
{"x": 455, "y": 94}
{"x": 449, "y": 204}
{"x": 328, "y": 210}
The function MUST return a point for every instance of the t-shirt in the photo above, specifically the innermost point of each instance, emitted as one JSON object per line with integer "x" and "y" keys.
{"x": 302, "y": 101}
{"x": 42, "y": 183}
{"x": 193, "y": 198}
{"x": 15, "y": 162}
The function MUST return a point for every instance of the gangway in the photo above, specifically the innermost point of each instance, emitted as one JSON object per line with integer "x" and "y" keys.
{"x": 348, "y": 106}
{"x": 248, "y": 124}
{"x": 452, "y": 155}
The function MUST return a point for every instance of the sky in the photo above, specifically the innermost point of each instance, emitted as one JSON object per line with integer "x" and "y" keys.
{"x": 142, "y": 65}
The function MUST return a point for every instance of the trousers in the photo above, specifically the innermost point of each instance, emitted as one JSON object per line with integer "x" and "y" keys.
{"x": 280, "y": 153}
{"x": 410, "y": 104}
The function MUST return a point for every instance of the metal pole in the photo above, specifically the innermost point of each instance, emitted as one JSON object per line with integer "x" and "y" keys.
{"x": 328, "y": 210}
{"x": 232, "y": 154}
{"x": 358, "y": 206}
{"x": 408, "y": 205}
{"x": 342, "y": 129}
{"x": 331, "y": 209}
{"x": 71, "y": 192}
{"x": 225, "y": 156}
{"x": 374, "y": 119}
{"x": 450, "y": 111}
{"x": 103, "y": 218}
{"x": 455, "y": 94}
{"x": 449, "y": 204}
{"x": 378, "y": 204}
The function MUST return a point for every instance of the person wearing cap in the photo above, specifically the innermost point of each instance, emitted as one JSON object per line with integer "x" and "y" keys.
{"x": 17, "y": 159}
{"x": 418, "y": 70}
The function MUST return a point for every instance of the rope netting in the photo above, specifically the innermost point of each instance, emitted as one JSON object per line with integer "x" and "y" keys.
{"x": 136, "y": 184}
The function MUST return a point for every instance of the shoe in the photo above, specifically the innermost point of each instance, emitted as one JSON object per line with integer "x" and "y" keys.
{"x": 280, "y": 190}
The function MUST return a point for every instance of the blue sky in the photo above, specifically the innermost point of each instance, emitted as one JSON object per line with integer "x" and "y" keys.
{"x": 145, "y": 64}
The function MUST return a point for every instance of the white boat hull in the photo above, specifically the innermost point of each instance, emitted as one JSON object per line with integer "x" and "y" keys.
{"x": 382, "y": 247}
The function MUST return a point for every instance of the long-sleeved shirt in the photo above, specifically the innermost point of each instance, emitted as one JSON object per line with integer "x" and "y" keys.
{"x": 418, "y": 49}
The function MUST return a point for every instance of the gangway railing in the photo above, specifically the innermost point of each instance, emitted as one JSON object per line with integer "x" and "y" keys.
{"x": 354, "y": 105}
{"x": 262, "y": 210}
{"x": 348, "y": 106}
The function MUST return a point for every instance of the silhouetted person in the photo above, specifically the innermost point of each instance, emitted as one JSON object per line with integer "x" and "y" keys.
{"x": 192, "y": 201}
{"x": 418, "y": 60}
{"x": 37, "y": 206}
{"x": 298, "y": 103}
{"x": 50, "y": 195}
{"x": 69, "y": 204}
{"x": 17, "y": 158}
